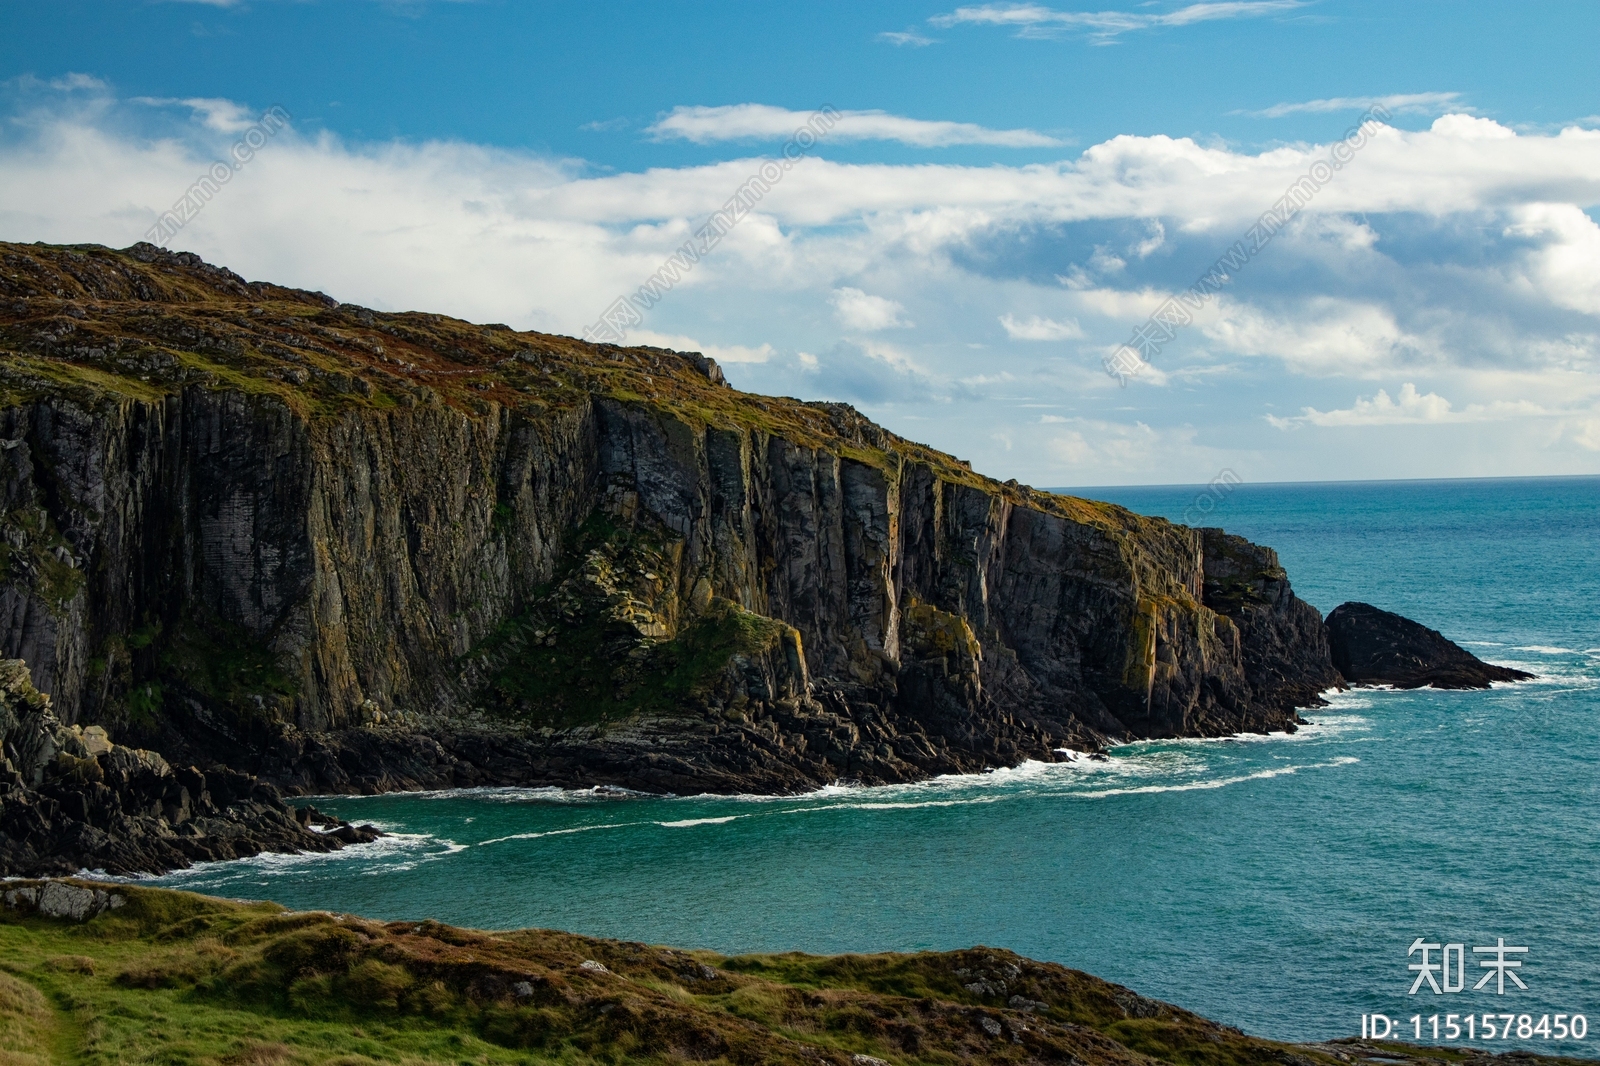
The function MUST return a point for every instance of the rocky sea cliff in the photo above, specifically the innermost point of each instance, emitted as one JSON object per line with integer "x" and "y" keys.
{"x": 261, "y": 532}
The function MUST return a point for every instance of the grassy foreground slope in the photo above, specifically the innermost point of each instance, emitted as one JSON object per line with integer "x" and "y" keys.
{"x": 169, "y": 977}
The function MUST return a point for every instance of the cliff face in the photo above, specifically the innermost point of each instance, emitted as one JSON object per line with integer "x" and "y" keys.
{"x": 360, "y": 550}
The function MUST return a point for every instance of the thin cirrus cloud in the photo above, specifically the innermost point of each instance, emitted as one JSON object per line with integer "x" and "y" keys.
{"x": 1103, "y": 27}
{"x": 1397, "y": 103}
{"x": 906, "y": 39}
{"x": 223, "y": 116}
{"x": 1036, "y": 328}
{"x": 734, "y": 122}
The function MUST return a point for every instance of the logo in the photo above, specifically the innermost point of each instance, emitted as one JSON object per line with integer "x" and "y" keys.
{"x": 1449, "y": 974}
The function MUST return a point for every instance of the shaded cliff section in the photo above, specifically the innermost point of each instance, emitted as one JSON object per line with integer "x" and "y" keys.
{"x": 250, "y": 526}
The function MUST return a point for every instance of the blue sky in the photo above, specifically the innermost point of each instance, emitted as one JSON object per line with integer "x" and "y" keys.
{"x": 1010, "y": 190}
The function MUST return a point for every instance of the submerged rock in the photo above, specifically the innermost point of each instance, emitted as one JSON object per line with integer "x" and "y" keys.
{"x": 1371, "y": 646}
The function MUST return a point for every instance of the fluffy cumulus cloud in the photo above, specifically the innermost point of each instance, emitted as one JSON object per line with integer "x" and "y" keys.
{"x": 1409, "y": 407}
{"x": 857, "y": 310}
{"x": 971, "y": 306}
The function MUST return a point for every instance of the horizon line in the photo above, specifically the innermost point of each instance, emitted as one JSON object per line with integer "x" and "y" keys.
{"x": 1077, "y": 490}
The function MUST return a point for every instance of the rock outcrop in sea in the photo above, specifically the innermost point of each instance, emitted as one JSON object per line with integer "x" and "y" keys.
{"x": 345, "y": 550}
{"x": 1371, "y": 646}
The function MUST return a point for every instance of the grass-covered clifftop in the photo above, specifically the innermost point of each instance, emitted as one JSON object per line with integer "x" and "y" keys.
{"x": 176, "y": 979}
{"x": 92, "y": 322}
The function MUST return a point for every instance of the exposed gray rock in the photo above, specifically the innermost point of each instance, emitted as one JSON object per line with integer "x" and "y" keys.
{"x": 63, "y": 899}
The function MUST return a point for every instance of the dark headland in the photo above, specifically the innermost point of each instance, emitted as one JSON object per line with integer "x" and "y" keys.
{"x": 256, "y": 543}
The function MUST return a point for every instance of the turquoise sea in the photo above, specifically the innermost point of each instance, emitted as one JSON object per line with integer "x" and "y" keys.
{"x": 1273, "y": 883}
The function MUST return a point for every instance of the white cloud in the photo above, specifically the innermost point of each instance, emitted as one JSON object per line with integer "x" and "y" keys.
{"x": 1585, "y": 433}
{"x": 704, "y": 125}
{"x": 1321, "y": 335}
{"x": 223, "y": 116}
{"x": 1410, "y": 408}
{"x": 1471, "y": 128}
{"x": 75, "y": 82}
{"x": 858, "y": 310}
{"x": 1564, "y": 261}
{"x": 1463, "y": 249}
{"x": 1035, "y": 328}
{"x": 1396, "y": 103}
{"x": 724, "y": 354}
{"x": 906, "y": 38}
{"x": 1110, "y": 452}
{"x": 1036, "y": 20}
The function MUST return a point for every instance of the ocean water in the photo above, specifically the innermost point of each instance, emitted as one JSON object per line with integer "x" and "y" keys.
{"x": 1274, "y": 883}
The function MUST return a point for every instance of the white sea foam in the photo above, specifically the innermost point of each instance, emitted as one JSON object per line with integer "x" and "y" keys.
{"x": 910, "y": 805}
{"x": 507, "y": 794}
{"x": 1218, "y": 782}
{"x": 1545, "y": 649}
{"x": 558, "y": 832}
{"x": 1146, "y": 767}
{"x": 392, "y": 851}
{"x": 999, "y": 776}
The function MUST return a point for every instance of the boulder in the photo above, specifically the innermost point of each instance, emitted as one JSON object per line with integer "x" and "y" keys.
{"x": 62, "y": 899}
{"x": 1371, "y": 646}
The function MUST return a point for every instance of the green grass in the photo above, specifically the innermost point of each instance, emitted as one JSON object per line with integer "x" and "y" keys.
{"x": 173, "y": 978}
